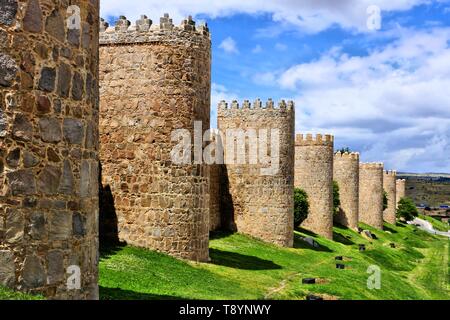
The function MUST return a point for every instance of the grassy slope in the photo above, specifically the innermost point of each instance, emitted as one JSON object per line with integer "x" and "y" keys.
{"x": 6, "y": 294}
{"x": 245, "y": 268}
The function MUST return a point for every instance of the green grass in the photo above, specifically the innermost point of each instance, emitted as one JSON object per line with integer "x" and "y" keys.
{"x": 7, "y": 294}
{"x": 245, "y": 268}
{"x": 437, "y": 225}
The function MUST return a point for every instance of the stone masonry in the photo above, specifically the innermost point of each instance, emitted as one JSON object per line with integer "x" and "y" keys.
{"x": 49, "y": 147}
{"x": 371, "y": 194}
{"x": 400, "y": 190}
{"x": 389, "y": 185}
{"x": 346, "y": 174}
{"x": 257, "y": 200}
{"x": 314, "y": 174}
{"x": 155, "y": 78}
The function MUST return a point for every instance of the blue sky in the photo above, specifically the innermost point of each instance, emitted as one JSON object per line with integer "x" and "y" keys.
{"x": 382, "y": 92}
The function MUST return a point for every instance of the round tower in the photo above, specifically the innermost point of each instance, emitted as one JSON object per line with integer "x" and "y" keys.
{"x": 389, "y": 186}
{"x": 154, "y": 79}
{"x": 400, "y": 190}
{"x": 49, "y": 147}
{"x": 257, "y": 187}
{"x": 314, "y": 174}
{"x": 346, "y": 174}
{"x": 371, "y": 194}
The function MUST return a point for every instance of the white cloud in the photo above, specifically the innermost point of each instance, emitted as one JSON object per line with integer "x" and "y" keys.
{"x": 229, "y": 45}
{"x": 393, "y": 104}
{"x": 306, "y": 15}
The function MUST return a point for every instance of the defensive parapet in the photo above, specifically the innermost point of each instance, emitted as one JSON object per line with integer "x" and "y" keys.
{"x": 155, "y": 79}
{"x": 346, "y": 174}
{"x": 49, "y": 147}
{"x": 314, "y": 174}
{"x": 144, "y": 32}
{"x": 400, "y": 190}
{"x": 371, "y": 194}
{"x": 389, "y": 186}
{"x": 257, "y": 180}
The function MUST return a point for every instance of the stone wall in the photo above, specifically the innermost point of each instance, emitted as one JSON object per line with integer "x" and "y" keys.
{"x": 154, "y": 79}
{"x": 314, "y": 174}
{"x": 215, "y": 217}
{"x": 49, "y": 146}
{"x": 371, "y": 194}
{"x": 346, "y": 174}
{"x": 400, "y": 190}
{"x": 256, "y": 200}
{"x": 389, "y": 185}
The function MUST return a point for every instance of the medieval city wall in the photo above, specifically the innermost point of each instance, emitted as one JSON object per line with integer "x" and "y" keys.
{"x": 371, "y": 194}
{"x": 389, "y": 185}
{"x": 49, "y": 146}
{"x": 257, "y": 196}
{"x": 346, "y": 174}
{"x": 400, "y": 190}
{"x": 155, "y": 78}
{"x": 314, "y": 174}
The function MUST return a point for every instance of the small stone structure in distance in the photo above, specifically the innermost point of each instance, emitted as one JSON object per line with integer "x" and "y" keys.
{"x": 400, "y": 190}
{"x": 257, "y": 196}
{"x": 314, "y": 174}
{"x": 371, "y": 194}
{"x": 49, "y": 147}
{"x": 154, "y": 79}
{"x": 346, "y": 174}
{"x": 389, "y": 186}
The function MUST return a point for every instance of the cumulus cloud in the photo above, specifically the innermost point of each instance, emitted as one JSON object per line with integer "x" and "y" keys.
{"x": 229, "y": 45}
{"x": 306, "y": 15}
{"x": 393, "y": 104}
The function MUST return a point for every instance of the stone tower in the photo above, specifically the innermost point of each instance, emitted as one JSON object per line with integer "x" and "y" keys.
{"x": 400, "y": 190}
{"x": 314, "y": 174}
{"x": 154, "y": 79}
{"x": 389, "y": 185}
{"x": 257, "y": 179}
{"x": 49, "y": 147}
{"x": 346, "y": 174}
{"x": 371, "y": 194}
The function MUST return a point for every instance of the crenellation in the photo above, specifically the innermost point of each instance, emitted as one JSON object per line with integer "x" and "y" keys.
{"x": 144, "y": 31}
{"x": 317, "y": 140}
{"x": 283, "y": 107}
{"x": 347, "y": 155}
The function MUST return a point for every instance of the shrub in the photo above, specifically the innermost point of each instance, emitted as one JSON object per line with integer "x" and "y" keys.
{"x": 385, "y": 200}
{"x": 301, "y": 206}
{"x": 336, "y": 197}
{"x": 344, "y": 150}
{"x": 407, "y": 209}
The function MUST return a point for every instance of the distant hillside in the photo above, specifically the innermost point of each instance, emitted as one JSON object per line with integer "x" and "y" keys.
{"x": 431, "y": 189}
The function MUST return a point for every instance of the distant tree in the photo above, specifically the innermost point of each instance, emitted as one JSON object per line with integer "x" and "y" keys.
{"x": 301, "y": 206}
{"x": 385, "y": 200}
{"x": 344, "y": 150}
{"x": 407, "y": 209}
{"x": 336, "y": 197}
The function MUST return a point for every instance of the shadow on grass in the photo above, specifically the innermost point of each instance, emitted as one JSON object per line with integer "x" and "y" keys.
{"x": 387, "y": 228}
{"x": 307, "y": 232}
{"x": 299, "y": 243}
{"x": 120, "y": 294}
{"x": 240, "y": 261}
{"x": 109, "y": 249}
{"x": 342, "y": 239}
{"x": 220, "y": 234}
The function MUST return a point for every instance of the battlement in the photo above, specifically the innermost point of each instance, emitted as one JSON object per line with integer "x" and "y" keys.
{"x": 372, "y": 165}
{"x": 401, "y": 180}
{"x": 391, "y": 173}
{"x": 269, "y": 109}
{"x": 311, "y": 140}
{"x": 347, "y": 155}
{"x": 144, "y": 31}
